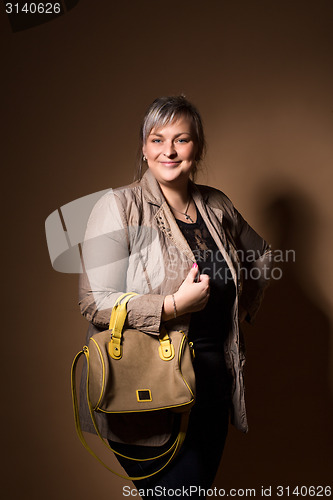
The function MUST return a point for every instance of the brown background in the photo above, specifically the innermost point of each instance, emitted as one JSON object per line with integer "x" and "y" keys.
{"x": 73, "y": 92}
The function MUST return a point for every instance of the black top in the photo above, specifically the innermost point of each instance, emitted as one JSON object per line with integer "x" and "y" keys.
{"x": 214, "y": 321}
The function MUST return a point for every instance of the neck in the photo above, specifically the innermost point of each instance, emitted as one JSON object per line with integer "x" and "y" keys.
{"x": 176, "y": 197}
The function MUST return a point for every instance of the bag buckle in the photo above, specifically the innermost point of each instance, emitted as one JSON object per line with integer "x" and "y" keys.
{"x": 191, "y": 346}
{"x": 115, "y": 348}
{"x": 166, "y": 350}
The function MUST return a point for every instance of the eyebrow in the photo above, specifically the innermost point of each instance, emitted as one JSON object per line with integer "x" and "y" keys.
{"x": 177, "y": 135}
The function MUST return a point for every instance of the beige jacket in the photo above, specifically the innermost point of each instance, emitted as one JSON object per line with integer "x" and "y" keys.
{"x": 133, "y": 243}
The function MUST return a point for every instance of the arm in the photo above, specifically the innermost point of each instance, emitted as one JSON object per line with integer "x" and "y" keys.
{"x": 105, "y": 259}
{"x": 255, "y": 258}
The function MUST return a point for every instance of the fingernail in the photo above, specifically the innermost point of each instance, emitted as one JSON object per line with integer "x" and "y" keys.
{"x": 194, "y": 265}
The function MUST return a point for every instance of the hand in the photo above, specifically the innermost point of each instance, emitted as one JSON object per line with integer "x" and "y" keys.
{"x": 192, "y": 296}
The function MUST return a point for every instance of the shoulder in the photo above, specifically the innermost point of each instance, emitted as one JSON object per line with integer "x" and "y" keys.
{"x": 110, "y": 207}
{"x": 119, "y": 197}
{"x": 216, "y": 198}
{"x": 130, "y": 192}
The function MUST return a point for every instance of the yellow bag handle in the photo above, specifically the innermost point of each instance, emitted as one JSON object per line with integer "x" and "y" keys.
{"x": 116, "y": 325}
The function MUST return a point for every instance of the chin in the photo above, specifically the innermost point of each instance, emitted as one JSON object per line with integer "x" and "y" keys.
{"x": 172, "y": 178}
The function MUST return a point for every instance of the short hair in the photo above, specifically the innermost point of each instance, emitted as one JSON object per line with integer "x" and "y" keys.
{"x": 165, "y": 110}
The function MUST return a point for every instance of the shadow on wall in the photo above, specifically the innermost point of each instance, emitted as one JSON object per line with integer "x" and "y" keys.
{"x": 289, "y": 401}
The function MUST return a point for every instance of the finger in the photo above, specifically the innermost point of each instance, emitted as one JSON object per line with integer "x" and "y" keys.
{"x": 204, "y": 278}
{"x": 193, "y": 272}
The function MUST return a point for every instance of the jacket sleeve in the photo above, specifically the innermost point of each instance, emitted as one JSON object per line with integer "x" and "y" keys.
{"x": 255, "y": 258}
{"x": 105, "y": 260}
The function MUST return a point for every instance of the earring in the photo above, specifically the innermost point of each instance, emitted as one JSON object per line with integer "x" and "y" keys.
{"x": 144, "y": 158}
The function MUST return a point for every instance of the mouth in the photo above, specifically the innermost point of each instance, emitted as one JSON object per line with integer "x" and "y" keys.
{"x": 170, "y": 163}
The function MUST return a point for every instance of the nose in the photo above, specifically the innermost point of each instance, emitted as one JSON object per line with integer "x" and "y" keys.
{"x": 169, "y": 150}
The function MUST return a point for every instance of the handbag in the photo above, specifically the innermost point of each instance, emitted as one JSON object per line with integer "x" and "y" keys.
{"x": 129, "y": 371}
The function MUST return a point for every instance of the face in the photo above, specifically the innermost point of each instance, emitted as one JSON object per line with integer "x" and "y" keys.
{"x": 171, "y": 151}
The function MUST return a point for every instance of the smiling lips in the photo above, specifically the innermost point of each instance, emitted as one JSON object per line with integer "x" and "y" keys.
{"x": 170, "y": 163}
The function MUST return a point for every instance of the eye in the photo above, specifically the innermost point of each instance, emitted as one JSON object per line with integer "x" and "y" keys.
{"x": 182, "y": 140}
{"x": 156, "y": 140}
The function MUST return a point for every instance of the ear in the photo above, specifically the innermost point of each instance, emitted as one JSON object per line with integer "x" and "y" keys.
{"x": 144, "y": 150}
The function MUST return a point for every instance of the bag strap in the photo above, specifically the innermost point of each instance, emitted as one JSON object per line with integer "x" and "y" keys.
{"x": 118, "y": 309}
{"x": 116, "y": 325}
{"x": 174, "y": 448}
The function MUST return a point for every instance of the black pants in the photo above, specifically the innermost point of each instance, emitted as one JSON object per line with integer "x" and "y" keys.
{"x": 196, "y": 464}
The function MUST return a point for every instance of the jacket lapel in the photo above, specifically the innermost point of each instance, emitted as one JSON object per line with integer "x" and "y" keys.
{"x": 213, "y": 217}
{"x": 168, "y": 225}
{"x": 166, "y": 222}
{"x": 164, "y": 218}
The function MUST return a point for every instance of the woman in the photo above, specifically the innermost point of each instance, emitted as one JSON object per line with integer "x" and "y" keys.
{"x": 191, "y": 258}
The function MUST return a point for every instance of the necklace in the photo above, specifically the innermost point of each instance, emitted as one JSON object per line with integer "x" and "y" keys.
{"x": 187, "y": 217}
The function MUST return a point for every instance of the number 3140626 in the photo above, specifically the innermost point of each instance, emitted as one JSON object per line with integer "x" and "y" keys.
{"x": 33, "y": 8}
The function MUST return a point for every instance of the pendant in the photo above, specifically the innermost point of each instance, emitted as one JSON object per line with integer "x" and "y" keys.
{"x": 188, "y": 218}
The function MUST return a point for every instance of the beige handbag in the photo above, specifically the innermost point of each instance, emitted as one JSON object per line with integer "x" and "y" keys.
{"x": 132, "y": 372}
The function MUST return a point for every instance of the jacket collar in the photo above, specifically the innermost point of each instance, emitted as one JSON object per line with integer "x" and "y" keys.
{"x": 153, "y": 193}
{"x": 166, "y": 220}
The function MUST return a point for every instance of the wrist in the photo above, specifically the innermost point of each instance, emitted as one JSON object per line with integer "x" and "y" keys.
{"x": 174, "y": 305}
{"x": 180, "y": 306}
{"x": 168, "y": 308}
